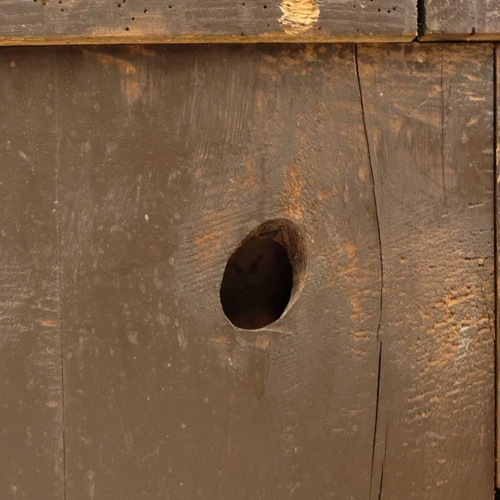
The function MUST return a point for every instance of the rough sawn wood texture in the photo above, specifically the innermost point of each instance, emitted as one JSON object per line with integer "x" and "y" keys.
{"x": 31, "y": 407}
{"x": 45, "y": 22}
{"x": 460, "y": 19}
{"x": 429, "y": 115}
{"x": 136, "y": 171}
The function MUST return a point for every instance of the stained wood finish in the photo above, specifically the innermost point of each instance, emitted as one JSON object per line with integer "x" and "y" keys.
{"x": 377, "y": 383}
{"x": 169, "y": 165}
{"x": 429, "y": 116}
{"x": 29, "y": 22}
{"x": 31, "y": 413}
{"x": 460, "y": 19}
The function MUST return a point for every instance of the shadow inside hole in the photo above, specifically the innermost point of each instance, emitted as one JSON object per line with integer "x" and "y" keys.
{"x": 257, "y": 283}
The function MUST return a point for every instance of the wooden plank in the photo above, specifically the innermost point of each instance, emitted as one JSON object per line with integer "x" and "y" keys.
{"x": 31, "y": 413}
{"x": 461, "y": 20}
{"x": 165, "y": 158}
{"x": 497, "y": 277}
{"x": 429, "y": 116}
{"x": 44, "y": 22}
{"x": 171, "y": 157}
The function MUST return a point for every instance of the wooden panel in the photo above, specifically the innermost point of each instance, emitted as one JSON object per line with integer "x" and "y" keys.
{"x": 28, "y": 22}
{"x": 172, "y": 156}
{"x": 161, "y": 160}
{"x": 429, "y": 115}
{"x": 461, "y": 20}
{"x": 31, "y": 413}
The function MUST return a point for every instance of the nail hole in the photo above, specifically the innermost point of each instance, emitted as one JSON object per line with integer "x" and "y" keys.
{"x": 263, "y": 275}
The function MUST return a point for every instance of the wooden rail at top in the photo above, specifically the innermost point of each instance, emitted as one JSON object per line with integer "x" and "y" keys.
{"x": 57, "y": 22}
{"x": 473, "y": 20}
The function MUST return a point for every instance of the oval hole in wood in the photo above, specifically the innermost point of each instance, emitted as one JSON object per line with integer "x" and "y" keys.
{"x": 262, "y": 275}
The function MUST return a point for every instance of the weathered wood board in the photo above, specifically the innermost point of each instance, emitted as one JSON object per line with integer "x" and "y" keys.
{"x": 31, "y": 412}
{"x": 172, "y": 162}
{"x": 378, "y": 382}
{"x": 460, "y": 19}
{"x": 429, "y": 115}
{"x": 29, "y": 22}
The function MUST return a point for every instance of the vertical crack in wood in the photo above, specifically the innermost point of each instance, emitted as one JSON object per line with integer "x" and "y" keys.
{"x": 443, "y": 178}
{"x": 376, "y": 421}
{"x": 377, "y": 218}
{"x": 421, "y": 28}
{"x": 379, "y": 368}
{"x": 381, "y": 484}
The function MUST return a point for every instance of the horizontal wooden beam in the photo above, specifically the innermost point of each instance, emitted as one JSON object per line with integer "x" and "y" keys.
{"x": 470, "y": 20}
{"x": 58, "y": 22}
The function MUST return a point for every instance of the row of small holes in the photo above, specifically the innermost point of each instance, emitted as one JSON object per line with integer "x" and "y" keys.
{"x": 379, "y": 9}
{"x": 127, "y": 28}
{"x": 44, "y": 3}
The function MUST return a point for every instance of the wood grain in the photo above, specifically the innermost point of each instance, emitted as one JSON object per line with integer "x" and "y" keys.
{"x": 173, "y": 155}
{"x": 31, "y": 412}
{"x": 44, "y": 22}
{"x": 429, "y": 116}
{"x": 461, "y": 20}
{"x": 130, "y": 176}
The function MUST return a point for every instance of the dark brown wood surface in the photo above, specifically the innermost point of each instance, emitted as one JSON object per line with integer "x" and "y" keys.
{"x": 31, "y": 412}
{"x": 28, "y": 22}
{"x": 429, "y": 115}
{"x": 173, "y": 156}
{"x": 377, "y": 383}
{"x": 460, "y": 19}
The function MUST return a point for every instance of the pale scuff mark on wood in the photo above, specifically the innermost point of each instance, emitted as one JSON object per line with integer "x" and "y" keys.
{"x": 298, "y": 15}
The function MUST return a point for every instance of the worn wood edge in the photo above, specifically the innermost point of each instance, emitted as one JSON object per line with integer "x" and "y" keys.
{"x": 497, "y": 266}
{"x": 459, "y": 37}
{"x": 200, "y": 39}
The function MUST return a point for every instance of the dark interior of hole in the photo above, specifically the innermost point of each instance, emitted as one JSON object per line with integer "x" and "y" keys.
{"x": 257, "y": 284}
